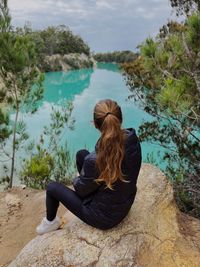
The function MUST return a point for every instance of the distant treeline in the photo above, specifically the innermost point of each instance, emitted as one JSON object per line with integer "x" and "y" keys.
{"x": 54, "y": 40}
{"x": 116, "y": 56}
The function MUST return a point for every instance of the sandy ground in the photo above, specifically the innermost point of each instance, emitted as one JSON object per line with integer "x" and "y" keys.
{"x": 21, "y": 210}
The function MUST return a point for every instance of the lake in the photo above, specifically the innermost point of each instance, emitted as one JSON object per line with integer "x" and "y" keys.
{"x": 85, "y": 88}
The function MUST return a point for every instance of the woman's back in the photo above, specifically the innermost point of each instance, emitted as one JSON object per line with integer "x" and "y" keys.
{"x": 106, "y": 186}
{"x": 108, "y": 207}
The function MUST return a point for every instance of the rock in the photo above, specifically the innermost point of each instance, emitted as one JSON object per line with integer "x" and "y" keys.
{"x": 67, "y": 62}
{"x": 23, "y": 186}
{"x": 12, "y": 200}
{"x": 154, "y": 234}
{"x": 21, "y": 210}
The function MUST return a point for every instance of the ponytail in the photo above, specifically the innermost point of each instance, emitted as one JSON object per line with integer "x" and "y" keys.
{"x": 110, "y": 147}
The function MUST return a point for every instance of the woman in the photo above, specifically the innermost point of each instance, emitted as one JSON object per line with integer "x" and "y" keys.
{"x": 106, "y": 186}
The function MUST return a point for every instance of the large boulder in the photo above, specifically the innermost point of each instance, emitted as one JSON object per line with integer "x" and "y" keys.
{"x": 154, "y": 234}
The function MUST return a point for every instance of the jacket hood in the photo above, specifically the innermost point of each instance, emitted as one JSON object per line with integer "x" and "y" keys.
{"x": 131, "y": 136}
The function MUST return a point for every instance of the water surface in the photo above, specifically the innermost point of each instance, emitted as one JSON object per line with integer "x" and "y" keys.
{"x": 85, "y": 88}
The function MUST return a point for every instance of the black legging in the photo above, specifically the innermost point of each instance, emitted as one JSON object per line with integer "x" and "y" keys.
{"x": 57, "y": 192}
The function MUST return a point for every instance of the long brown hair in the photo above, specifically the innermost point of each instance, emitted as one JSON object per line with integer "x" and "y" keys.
{"x": 110, "y": 147}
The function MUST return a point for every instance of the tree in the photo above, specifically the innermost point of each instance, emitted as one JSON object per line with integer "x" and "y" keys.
{"x": 166, "y": 80}
{"x": 116, "y": 56}
{"x": 185, "y": 6}
{"x": 21, "y": 79}
{"x": 52, "y": 41}
{"x": 50, "y": 160}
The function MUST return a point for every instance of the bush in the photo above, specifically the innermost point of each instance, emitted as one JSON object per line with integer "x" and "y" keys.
{"x": 36, "y": 172}
{"x": 51, "y": 161}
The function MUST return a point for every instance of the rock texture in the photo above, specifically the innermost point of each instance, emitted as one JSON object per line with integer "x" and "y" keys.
{"x": 68, "y": 62}
{"x": 21, "y": 210}
{"x": 154, "y": 234}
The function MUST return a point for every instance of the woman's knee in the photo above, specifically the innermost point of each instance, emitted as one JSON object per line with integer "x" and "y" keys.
{"x": 51, "y": 187}
{"x": 81, "y": 154}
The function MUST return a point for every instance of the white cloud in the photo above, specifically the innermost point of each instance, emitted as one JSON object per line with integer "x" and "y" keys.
{"x": 26, "y": 6}
{"x": 103, "y": 4}
{"x": 85, "y": 7}
{"x": 46, "y": 7}
{"x": 99, "y": 21}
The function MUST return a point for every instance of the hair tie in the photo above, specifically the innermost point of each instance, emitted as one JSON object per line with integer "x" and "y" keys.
{"x": 108, "y": 114}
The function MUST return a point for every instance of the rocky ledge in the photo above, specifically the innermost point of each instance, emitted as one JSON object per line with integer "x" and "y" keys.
{"x": 154, "y": 234}
{"x": 68, "y": 62}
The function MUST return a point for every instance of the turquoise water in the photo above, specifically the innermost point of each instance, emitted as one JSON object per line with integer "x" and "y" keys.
{"x": 84, "y": 88}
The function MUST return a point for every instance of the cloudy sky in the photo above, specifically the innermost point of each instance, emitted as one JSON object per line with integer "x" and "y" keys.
{"x": 106, "y": 25}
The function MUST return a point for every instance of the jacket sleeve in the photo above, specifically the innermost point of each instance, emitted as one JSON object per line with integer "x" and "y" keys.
{"x": 84, "y": 184}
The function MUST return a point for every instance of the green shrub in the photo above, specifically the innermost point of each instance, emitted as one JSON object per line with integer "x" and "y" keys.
{"x": 36, "y": 172}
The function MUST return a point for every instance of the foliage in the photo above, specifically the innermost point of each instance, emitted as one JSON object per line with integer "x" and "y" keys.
{"x": 185, "y": 6}
{"x": 150, "y": 158}
{"x": 51, "y": 161}
{"x": 166, "y": 80}
{"x": 21, "y": 79}
{"x": 52, "y": 41}
{"x": 37, "y": 170}
{"x": 4, "y": 122}
{"x": 117, "y": 56}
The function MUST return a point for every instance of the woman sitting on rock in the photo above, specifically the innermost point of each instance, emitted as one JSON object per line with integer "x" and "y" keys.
{"x": 105, "y": 188}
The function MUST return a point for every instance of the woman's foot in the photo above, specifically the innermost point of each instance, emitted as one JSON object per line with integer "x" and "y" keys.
{"x": 47, "y": 226}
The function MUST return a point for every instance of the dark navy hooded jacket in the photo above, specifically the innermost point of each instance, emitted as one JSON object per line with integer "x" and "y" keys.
{"x": 103, "y": 207}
